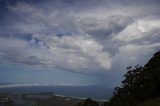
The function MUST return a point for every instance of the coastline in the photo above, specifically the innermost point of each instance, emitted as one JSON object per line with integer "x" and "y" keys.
{"x": 79, "y": 92}
{"x": 82, "y": 98}
{"x": 45, "y": 98}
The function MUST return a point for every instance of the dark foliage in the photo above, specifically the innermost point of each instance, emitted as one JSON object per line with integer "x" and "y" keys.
{"x": 88, "y": 102}
{"x": 140, "y": 84}
{"x": 106, "y": 103}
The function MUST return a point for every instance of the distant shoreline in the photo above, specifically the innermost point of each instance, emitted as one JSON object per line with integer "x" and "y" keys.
{"x": 37, "y": 85}
{"x": 82, "y": 98}
{"x": 80, "y": 92}
{"x": 55, "y": 94}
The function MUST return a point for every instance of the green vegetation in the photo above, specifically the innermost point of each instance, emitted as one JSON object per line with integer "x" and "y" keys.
{"x": 141, "y": 86}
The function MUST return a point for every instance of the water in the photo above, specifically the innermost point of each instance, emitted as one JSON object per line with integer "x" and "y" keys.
{"x": 94, "y": 92}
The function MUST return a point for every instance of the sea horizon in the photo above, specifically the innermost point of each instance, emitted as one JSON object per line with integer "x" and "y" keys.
{"x": 96, "y": 92}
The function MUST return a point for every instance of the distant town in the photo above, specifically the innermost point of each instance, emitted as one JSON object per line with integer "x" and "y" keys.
{"x": 36, "y": 99}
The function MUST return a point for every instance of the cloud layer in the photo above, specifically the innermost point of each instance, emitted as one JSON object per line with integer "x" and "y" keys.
{"x": 96, "y": 38}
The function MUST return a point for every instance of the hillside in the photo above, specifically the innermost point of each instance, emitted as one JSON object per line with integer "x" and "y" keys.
{"x": 141, "y": 86}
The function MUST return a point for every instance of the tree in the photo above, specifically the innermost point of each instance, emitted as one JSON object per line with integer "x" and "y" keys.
{"x": 88, "y": 102}
{"x": 140, "y": 84}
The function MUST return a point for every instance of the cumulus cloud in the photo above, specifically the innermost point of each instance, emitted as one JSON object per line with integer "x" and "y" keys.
{"x": 74, "y": 53}
{"x": 79, "y": 40}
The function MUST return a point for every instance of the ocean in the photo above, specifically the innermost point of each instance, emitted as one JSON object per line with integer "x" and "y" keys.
{"x": 94, "y": 92}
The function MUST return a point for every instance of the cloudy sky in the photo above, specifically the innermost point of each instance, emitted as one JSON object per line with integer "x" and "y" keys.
{"x": 84, "y": 42}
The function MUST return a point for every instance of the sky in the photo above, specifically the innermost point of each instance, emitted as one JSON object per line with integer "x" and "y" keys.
{"x": 77, "y": 42}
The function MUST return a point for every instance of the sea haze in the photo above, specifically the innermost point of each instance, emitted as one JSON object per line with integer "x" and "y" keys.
{"x": 91, "y": 91}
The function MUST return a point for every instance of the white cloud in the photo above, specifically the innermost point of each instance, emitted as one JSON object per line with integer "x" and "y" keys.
{"x": 148, "y": 25}
{"x": 74, "y": 53}
{"x": 87, "y": 42}
{"x": 77, "y": 53}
